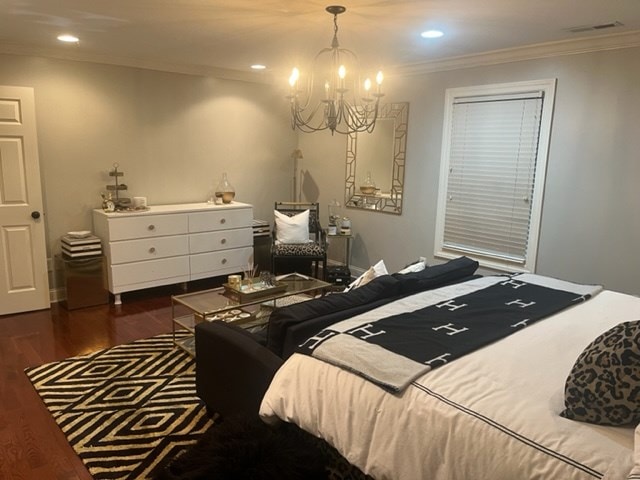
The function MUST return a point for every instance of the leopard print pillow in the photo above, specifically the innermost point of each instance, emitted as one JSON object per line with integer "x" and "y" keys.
{"x": 604, "y": 384}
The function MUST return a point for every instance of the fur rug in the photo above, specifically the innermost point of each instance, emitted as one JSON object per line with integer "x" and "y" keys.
{"x": 239, "y": 448}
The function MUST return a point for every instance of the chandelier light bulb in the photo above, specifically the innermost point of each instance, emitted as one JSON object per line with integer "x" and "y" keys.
{"x": 67, "y": 38}
{"x": 432, "y": 34}
{"x": 342, "y": 72}
{"x": 379, "y": 78}
{"x": 367, "y": 85}
{"x": 295, "y": 75}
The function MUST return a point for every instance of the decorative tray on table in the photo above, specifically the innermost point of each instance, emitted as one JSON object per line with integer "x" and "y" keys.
{"x": 255, "y": 289}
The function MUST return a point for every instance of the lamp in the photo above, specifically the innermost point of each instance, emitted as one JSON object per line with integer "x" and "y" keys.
{"x": 342, "y": 103}
{"x": 296, "y": 156}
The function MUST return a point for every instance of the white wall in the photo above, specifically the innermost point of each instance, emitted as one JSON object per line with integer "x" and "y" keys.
{"x": 173, "y": 136}
{"x": 591, "y": 217}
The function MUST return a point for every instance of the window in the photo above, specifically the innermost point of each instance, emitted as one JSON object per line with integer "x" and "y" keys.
{"x": 494, "y": 156}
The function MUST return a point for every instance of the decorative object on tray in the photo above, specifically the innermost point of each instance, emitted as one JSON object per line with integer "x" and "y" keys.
{"x": 234, "y": 281}
{"x": 249, "y": 274}
{"x": 225, "y": 192}
{"x": 267, "y": 278}
{"x": 108, "y": 205}
{"x": 117, "y": 188}
{"x": 139, "y": 203}
{"x": 253, "y": 289}
{"x": 252, "y": 286}
{"x": 113, "y": 202}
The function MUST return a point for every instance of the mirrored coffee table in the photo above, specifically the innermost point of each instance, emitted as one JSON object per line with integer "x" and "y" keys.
{"x": 246, "y": 311}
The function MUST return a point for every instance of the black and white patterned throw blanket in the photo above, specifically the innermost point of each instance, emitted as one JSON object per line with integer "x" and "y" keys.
{"x": 435, "y": 327}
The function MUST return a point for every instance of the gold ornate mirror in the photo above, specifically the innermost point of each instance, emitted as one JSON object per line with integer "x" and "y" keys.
{"x": 375, "y": 162}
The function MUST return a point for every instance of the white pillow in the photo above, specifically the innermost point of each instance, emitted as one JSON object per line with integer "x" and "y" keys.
{"x": 415, "y": 267}
{"x": 373, "y": 272}
{"x": 292, "y": 229}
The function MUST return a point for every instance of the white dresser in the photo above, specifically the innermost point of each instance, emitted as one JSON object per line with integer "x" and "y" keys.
{"x": 174, "y": 243}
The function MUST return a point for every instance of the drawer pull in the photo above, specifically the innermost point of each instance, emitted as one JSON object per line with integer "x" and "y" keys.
{"x": 223, "y": 220}
{"x": 151, "y": 227}
{"x": 223, "y": 241}
{"x": 224, "y": 260}
{"x": 152, "y": 250}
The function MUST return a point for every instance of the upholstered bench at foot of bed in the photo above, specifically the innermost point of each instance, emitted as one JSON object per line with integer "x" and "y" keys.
{"x": 234, "y": 367}
{"x": 233, "y": 370}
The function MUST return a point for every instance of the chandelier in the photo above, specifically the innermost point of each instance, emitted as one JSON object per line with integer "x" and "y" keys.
{"x": 341, "y": 102}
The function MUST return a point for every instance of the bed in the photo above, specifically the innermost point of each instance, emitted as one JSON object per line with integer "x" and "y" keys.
{"x": 493, "y": 413}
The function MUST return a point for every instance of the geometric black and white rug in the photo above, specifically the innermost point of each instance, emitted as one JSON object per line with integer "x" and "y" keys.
{"x": 127, "y": 408}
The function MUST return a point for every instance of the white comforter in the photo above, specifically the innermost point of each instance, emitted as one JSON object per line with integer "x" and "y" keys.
{"x": 492, "y": 414}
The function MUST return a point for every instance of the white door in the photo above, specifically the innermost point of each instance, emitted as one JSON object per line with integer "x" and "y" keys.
{"x": 24, "y": 284}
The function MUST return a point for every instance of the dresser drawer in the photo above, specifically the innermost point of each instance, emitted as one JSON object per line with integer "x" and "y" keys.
{"x": 148, "y": 249}
{"x": 220, "y": 240}
{"x": 154, "y": 271}
{"x": 145, "y": 226}
{"x": 220, "y": 263}
{"x": 220, "y": 219}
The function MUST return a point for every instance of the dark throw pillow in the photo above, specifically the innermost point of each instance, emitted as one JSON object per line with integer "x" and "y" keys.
{"x": 283, "y": 318}
{"x": 604, "y": 384}
{"x": 436, "y": 276}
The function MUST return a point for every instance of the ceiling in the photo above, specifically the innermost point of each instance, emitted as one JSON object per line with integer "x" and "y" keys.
{"x": 226, "y": 37}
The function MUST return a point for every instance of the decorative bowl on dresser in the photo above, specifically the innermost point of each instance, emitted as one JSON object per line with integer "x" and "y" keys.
{"x": 169, "y": 244}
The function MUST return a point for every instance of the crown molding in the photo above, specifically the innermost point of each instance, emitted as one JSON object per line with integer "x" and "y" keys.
{"x": 528, "y": 52}
{"x": 147, "y": 64}
{"x": 495, "y": 57}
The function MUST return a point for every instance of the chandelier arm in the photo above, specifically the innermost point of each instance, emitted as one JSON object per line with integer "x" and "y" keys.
{"x": 361, "y": 122}
{"x": 353, "y": 119}
{"x": 298, "y": 120}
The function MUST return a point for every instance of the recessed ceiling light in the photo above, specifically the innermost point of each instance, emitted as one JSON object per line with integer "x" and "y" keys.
{"x": 258, "y": 66}
{"x": 432, "y": 34}
{"x": 68, "y": 38}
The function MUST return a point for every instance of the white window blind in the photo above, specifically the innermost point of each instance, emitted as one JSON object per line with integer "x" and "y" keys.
{"x": 494, "y": 154}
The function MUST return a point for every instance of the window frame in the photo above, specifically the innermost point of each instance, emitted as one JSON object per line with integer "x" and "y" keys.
{"x": 548, "y": 87}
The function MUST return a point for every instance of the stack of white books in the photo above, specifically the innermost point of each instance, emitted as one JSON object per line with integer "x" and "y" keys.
{"x": 261, "y": 228}
{"x": 80, "y": 246}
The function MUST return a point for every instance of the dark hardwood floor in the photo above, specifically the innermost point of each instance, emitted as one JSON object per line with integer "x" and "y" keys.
{"x": 31, "y": 444}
